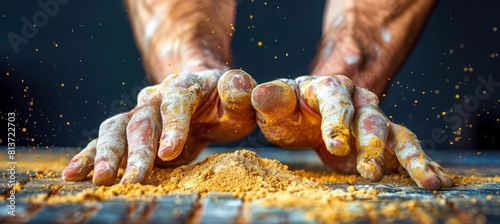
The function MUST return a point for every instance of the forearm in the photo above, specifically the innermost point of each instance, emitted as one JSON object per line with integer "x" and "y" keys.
{"x": 182, "y": 35}
{"x": 368, "y": 40}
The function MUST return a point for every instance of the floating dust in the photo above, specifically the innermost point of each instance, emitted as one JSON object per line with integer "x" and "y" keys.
{"x": 35, "y": 161}
{"x": 269, "y": 183}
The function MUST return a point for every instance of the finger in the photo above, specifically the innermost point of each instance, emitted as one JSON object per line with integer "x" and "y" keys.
{"x": 236, "y": 116}
{"x": 275, "y": 103}
{"x": 370, "y": 127}
{"x": 331, "y": 96}
{"x": 235, "y": 89}
{"x": 275, "y": 99}
{"x": 181, "y": 97}
{"x": 111, "y": 147}
{"x": 192, "y": 148}
{"x": 81, "y": 164}
{"x": 143, "y": 134}
{"x": 425, "y": 172}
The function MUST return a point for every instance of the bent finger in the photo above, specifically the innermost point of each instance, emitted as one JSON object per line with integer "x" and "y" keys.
{"x": 236, "y": 116}
{"x": 143, "y": 134}
{"x": 331, "y": 97}
{"x": 182, "y": 95}
{"x": 111, "y": 147}
{"x": 275, "y": 99}
{"x": 425, "y": 172}
{"x": 370, "y": 127}
{"x": 275, "y": 103}
{"x": 81, "y": 164}
{"x": 235, "y": 89}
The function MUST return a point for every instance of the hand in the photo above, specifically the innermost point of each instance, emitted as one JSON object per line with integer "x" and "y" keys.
{"x": 169, "y": 126}
{"x": 345, "y": 126}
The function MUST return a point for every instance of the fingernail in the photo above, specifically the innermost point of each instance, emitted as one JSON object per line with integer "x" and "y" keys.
{"x": 275, "y": 98}
{"x": 376, "y": 162}
{"x": 167, "y": 143}
{"x": 101, "y": 166}
{"x": 371, "y": 169}
{"x": 131, "y": 170}
{"x": 429, "y": 182}
{"x": 337, "y": 146}
{"x": 70, "y": 172}
{"x": 241, "y": 81}
{"x": 166, "y": 151}
{"x": 73, "y": 167}
{"x": 72, "y": 164}
{"x": 333, "y": 142}
{"x": 130, "y": 174}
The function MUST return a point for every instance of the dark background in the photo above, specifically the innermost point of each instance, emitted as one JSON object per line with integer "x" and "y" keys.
{"x": 83, "y": 66}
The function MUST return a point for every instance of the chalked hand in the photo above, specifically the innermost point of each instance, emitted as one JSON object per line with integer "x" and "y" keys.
{"x": 345, "y": 126}
{"x": 184, "y": 47}
{"x": 172, "y": 122}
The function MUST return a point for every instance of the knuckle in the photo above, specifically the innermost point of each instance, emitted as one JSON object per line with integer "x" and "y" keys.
{"x": 147, "y": 93}
{"x": 328, "y": 81}
{"x": 364, "y": 97}
{"x": 289, "y": 82}
{"x": 343, "y": 80}
{"x": 234, "y": 72}
{"x": 108, "y": 122}
{"x": 335, "y": 80}
{"x": 181, "y": 80}
{"x": 371, "y": 96}
{"x": 112, "y": 121}
{"x": 304, "y": 78}
{"x": 144, "y": 91}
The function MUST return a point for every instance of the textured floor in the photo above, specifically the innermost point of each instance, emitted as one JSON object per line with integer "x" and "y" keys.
{"x": 470, "y": 204}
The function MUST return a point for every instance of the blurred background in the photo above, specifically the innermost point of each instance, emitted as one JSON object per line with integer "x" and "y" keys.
{"x": 82, "y": 67}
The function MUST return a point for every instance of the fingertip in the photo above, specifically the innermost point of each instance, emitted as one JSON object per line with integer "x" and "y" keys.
{"x": 133, "y": 174}
{"x": 446, "y": 181}
{"x": 337, "y": 141}
{"x": 168, "y": 150}
{"x": 103, "y": 174}
{"x": 431, "y": 182}
{"x": 276, "y": 98}
{"x": 105, "y": 178}
{"x": 371, "y": 169}
{"x": 236, "y": 79}
{"x": 235, "y": 89}
{"x": 433, "y": 178}
{"x": 71, "y": 174}
{"x": 78, "y": 168}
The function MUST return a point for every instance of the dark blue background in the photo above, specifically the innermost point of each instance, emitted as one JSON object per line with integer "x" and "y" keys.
{"x": 97, "y": 61}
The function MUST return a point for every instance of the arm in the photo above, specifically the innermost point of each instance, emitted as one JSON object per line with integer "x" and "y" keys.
{"x": 182, "y": 35}
{"x": 368, "y": 41}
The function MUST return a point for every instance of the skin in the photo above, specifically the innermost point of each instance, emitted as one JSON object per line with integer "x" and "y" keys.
{"x": 186, "y": 48}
